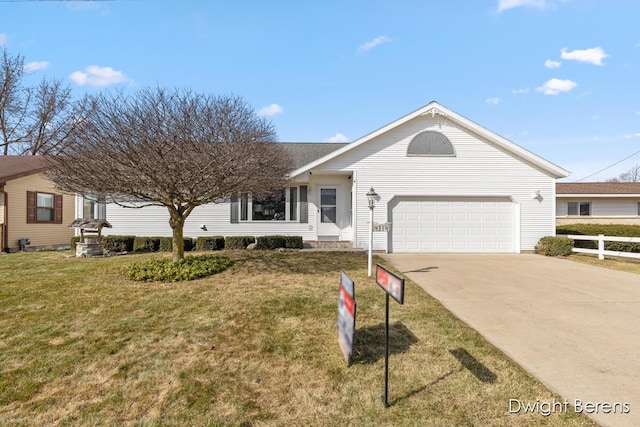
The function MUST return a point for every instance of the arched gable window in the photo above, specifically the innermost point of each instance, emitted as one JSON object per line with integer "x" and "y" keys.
{"x": 431, "y": 143}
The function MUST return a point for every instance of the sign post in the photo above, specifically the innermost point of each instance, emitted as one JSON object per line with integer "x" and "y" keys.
{"x": 393, "y": 285}
{"x": 346, "y": 316}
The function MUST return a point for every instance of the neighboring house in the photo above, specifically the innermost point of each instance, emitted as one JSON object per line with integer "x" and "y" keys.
{"x": 598, "y": 203}
{"x": 445, "y": 183}
{"x": 30, "y": 206}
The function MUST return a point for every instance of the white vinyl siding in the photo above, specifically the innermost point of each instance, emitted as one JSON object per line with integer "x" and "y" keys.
{"x": 479, "y": 169}
{"x": 601, "y": 207}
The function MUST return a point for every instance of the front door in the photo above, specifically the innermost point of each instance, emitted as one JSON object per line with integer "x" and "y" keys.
{"x": 328, "y": 215}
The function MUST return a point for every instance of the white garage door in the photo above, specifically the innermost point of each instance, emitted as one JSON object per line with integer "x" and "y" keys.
{"x": 452, "y": 224}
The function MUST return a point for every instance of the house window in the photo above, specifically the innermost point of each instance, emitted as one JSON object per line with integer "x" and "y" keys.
{"x": 244, "y": 206}
{"x": 579, "y": 208}
{"x": 293, "y": 203}
{"x": 44, "y": 208}
{"x": 89, "y": 208}
{"x": 269, "y": 208}
{"x": 289, "y": 204}
{"x": 638, "y": 208}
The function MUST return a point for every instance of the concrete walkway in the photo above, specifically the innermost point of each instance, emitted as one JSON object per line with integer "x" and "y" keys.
{"x": 575, "y": 327}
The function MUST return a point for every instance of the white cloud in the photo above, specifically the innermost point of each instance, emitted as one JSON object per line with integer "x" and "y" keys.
{"x": 35, "y": 66}
{"x": 555, "y": 86}
{"x": 373, "y": 43}
{"x": 493, "y": 101}
{"x": 3, "y": 39}
{"x": 98, "y": 76}
{"x": 520, "y": 91}
{"x": 338, "y": 137}
{"x": 270, "y": 110}
{"x": 510, "y": 4}
{"x": 552, "y": 64}
{"x": 594, "y": 56}
{"x": 633, "y": 135}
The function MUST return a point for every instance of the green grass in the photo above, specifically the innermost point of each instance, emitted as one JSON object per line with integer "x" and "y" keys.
{"x": 631, "y": 265}
{"x": 254, "y": 345}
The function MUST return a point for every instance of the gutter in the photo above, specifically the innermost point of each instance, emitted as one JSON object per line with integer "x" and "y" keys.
{"x": 5, "y": 232}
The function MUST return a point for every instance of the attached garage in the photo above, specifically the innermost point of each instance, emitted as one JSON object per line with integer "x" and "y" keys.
{"x": 452, "y": 224}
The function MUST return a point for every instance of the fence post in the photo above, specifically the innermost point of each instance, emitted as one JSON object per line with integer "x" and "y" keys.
{"x": 601, "y": 246}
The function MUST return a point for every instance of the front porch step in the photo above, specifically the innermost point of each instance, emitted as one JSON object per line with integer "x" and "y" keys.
{"x": 328, "y": 244}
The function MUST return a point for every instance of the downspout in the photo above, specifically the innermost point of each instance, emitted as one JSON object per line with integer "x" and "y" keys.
{"x": 5, "y": 225}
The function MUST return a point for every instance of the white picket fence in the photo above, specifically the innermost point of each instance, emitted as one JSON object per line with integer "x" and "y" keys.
{"x": 601, "y": 238}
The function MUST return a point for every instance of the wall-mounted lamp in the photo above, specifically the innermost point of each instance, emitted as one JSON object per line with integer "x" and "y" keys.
{"x": 371, "y": 197}
{"x": 203, "y": 227}
{"x": 536, "y": 195}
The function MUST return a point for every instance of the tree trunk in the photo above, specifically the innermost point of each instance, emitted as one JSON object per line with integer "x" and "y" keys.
{"x": 177, "y": 226}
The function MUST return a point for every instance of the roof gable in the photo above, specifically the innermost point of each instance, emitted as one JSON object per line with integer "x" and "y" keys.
{"x": 433, "y": 109}
{"x": 13, "y": 167}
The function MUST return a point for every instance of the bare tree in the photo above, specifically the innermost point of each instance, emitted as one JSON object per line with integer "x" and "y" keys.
{"x": 33, "y": 120}
{"x": 171, "y": 148}
{"x": 51, "y": 118}
{"x": 13, "y": 99}
{"x": 632, "y": 175}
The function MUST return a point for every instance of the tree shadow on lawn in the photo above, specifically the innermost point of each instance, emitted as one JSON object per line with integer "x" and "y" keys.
{"x": 369, "y": 342}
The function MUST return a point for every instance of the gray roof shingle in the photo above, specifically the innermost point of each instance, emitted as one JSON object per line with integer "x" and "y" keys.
{"x": 12, "y": 167}
{"x": 598, "y": 188}
{"x": 303, "y": 153}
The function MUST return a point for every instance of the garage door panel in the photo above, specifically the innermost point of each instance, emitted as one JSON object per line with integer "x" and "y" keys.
{"x": 459, "y": 225}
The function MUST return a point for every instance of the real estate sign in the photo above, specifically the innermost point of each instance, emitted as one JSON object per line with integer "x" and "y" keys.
{"x": 391, "y": 283}
{"x": 346, "y": 315}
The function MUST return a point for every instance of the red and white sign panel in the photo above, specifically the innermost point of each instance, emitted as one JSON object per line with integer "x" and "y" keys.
{"x": 346, "y": 316}
{"x": 391, "y": 283}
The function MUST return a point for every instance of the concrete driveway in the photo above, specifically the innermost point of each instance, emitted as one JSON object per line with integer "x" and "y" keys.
{"x": 573, "y": 326}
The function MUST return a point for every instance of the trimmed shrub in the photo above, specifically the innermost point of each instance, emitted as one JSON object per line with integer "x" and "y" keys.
{"x": 294, "y": 242}
{"x": 165, "y": 270}
{"x": 166, "y": 244}
{"x": 238, "y": 242}
{"x": 118, "y": 243}
{"x": 146, "y": 244}
{"x": 210, "y": 243}
{"x": 607, "y": 230}
{"x": 271, "y": 242}
{"x": 554, "y": 246}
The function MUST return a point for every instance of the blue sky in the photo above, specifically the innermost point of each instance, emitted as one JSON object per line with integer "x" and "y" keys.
{"x": 558, "y": 77}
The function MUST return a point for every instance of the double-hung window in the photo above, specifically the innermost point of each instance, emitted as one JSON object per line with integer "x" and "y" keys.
{"x": 579, "y": 208}
{"x": 44, "y": 208}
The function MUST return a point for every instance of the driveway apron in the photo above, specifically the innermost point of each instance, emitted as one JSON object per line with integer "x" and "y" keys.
{"x": 573, "y": 326}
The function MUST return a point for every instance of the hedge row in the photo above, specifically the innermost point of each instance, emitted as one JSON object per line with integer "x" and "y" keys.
{"x": 209, "y": 243}
{"x": 607, "y": 230}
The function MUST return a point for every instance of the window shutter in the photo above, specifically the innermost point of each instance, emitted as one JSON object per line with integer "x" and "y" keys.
{"x": 234, "y": 209}
{"x": 31, "y": 207}
{"x": 304, "y": 210}
{"x": 57, "y": 209}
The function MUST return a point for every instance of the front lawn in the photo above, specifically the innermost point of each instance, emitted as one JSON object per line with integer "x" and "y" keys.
{"x": 254, "y": 345}
{"x": 631, "y": 265}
